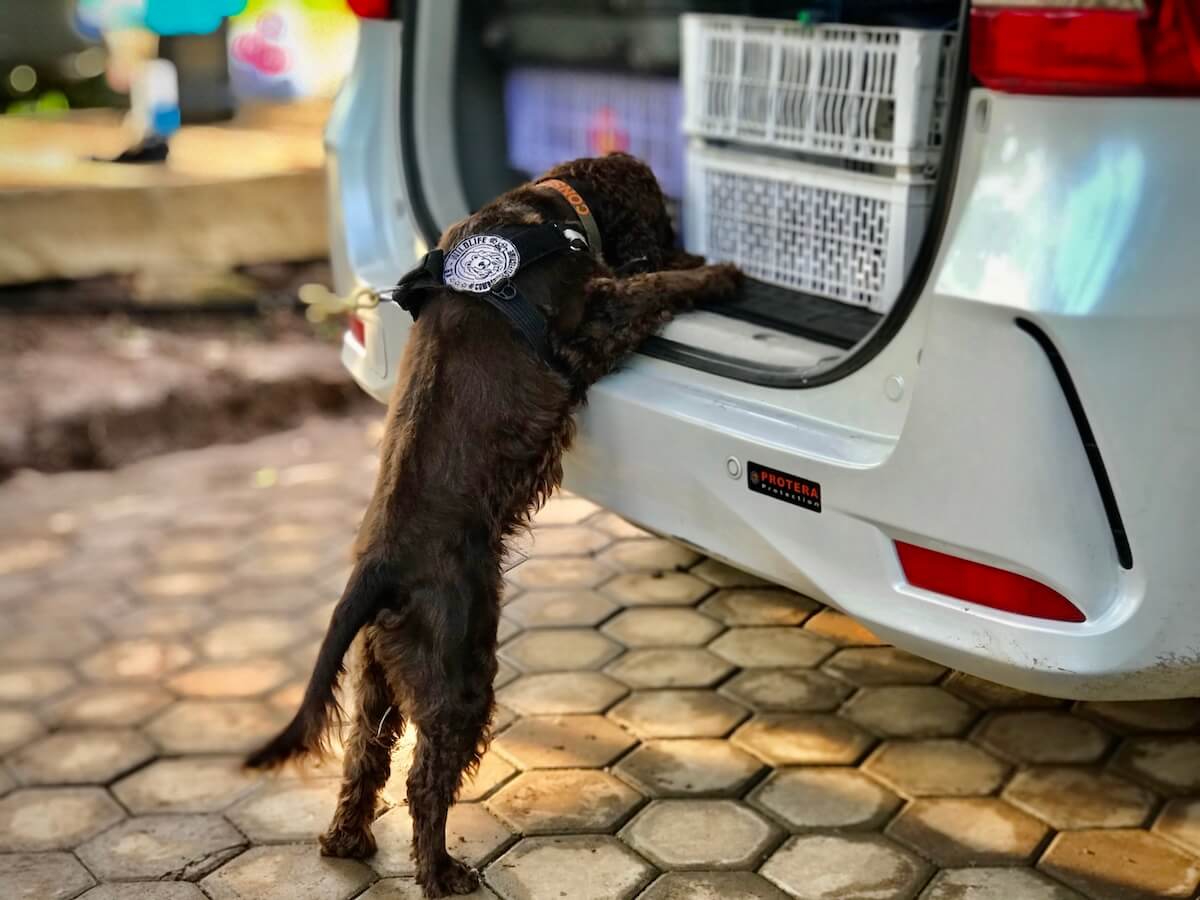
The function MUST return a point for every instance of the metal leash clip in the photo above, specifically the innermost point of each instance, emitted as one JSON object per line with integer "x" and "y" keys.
{"x": 323, "y": 303}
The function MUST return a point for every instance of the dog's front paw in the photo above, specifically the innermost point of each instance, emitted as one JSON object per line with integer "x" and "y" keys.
{"x": 449, "y": 878}
{"x": 345, "y": 844}
{"x": 721, "y": 280}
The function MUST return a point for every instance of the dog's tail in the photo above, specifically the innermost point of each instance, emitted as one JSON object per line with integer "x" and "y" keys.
{"x": 364, "y": 593}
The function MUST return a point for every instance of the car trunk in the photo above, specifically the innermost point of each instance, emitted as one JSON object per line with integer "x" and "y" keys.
{"x": 792, "y": 151}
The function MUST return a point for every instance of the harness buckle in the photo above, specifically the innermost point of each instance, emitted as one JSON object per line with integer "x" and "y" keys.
{"x": 505, "y": 290}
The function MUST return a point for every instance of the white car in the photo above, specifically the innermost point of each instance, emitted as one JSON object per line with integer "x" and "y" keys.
{"x": 999, "y": 474}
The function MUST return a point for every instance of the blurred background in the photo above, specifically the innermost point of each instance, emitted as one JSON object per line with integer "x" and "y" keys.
{"x": 148, "y": 299}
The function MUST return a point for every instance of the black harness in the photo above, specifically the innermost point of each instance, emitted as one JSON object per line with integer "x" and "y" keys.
{"x": 484, "y": 265}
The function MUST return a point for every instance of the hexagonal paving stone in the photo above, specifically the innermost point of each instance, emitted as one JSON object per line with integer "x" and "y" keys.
{"x": 192, "y": 784}
{"x": 689, "y": 768}
{"x": 42, "y": 876}
{"x": 473, "y": 835}
{"x": 562, "y": 801}
{"x": 33, "y": 682}
{"x": 562, "y": 742}
{"x": 809, "y": 799}
{"x": 1180, "y": 823}
{"x": 995, "y": 884}
{"x": 211, "y": 726}
{"x": 937, "y": 768}
{"x": 581, "y": 867}
{"x": 1170, "y": 764}
{"x": 244, "y": 679}
{"x": 145, "y": 659}
{"x": 288, "y": 872}
{"x": 165, "y": 621}
{"x": 661, "y": 627}
{"x": 840, "y": 628}
{"x": 758, "y": 606}
{"x": 765, "y": 647}
{"x": 251, "y": 636}
{"x": 845, "y": 866}
{"x": 786, "y": 690}
{"x": 969, "y": 831}
{"x": 560, "y": 649}
{"x": 990, "y": 695}
{"x": 109, "y": 705}
{"x": 282, "y": 563}
{"x": 712, "y": 886}
{"x": 65, "y": 641}
{"x": 700, "y": 834}
{"x": 871, "y": 666}
{"x": 1121, "y": 865}
{"x": 678, "y": 667}
{"x": 561, "y": 572}
{"x": 167, "y": 848}
{"x": 612, "y": 524}
{"x": 804, "y": 740}
{"x": 17, "y": 728}
{"x": 1147, "y": 715}
{"x": 564, "y": 509}
{"x": 493, "y": 771}
{"x": 177, "y": 585}
{"x": 656, "y": 589}
{"x": 649, "y": 555}
{"x": 1038, "y": 736}
{"x": 678, "y": 714}
{"x": 725, "y": 576}
{"x": 569, "y": 540}
{"x": 408, "y": 889}
{"x": 28, "y": 554}
{"x": 1073, "y": 798}
{"x": 287, "y": 811}
{"x": 196, "y": 550}
{"x": 145, "y": 890}
{"x": 54, "y": 818}
{"x": 562, "y": 693}
{"x": 909, "y": 711}
{"x": 6, "y": 782}
{"x": 557, "y": 609}
{"x": 80, "y": 757}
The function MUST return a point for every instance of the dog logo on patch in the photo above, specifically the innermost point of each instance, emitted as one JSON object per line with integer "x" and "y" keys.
{"x": 480, "y": 262}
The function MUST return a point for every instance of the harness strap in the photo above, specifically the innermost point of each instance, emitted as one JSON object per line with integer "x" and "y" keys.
{"x": 582, "y": 211}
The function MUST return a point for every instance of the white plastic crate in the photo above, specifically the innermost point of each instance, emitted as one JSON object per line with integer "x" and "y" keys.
{"x": 836, "y": 233}
{"x": 869, "y": 94}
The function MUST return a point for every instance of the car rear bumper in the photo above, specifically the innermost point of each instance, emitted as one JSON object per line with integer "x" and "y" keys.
{"x": 959, "y": 435}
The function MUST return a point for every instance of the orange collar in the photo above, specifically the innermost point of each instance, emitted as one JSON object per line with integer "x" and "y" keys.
{"x": 582, "y": 211}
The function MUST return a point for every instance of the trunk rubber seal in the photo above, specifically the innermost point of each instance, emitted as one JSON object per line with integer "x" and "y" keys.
{"x": 1088, "y": 437}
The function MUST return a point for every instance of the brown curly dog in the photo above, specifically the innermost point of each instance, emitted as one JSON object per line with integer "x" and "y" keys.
{"x": 476, "y": 431}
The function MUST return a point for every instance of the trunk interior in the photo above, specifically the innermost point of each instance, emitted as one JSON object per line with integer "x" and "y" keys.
{"x": 838, "y": 241}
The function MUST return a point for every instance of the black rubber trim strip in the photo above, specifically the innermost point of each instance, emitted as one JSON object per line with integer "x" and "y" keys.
{"x": 746, "y": 370}
{"x": 1115, "y": 523}
{"x": 422, "y": 216}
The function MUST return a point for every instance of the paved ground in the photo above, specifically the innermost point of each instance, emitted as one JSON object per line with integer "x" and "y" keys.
{"x": 670, "y": 728}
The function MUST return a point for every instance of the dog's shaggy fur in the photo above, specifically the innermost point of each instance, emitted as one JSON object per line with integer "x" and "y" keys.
{"x": 476, "y": 431}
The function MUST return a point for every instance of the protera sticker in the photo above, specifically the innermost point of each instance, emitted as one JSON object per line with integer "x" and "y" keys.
{"x": 782, "y": 486}
{"x": 478, "y": 263}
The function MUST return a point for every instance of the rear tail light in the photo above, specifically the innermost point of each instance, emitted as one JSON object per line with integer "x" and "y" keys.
{"x": 374, "y": 9}
{"x": 1148, "y": 47}
{"x": 357, "y": 329}
{"x": 985, "y": 585}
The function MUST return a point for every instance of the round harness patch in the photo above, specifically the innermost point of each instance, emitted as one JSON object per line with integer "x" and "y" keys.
{"x": 480, "y": 262}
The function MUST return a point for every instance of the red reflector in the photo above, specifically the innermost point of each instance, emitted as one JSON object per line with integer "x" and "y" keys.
{"x": 985, "y": 585}
{"x": 372, "y": 9}
{"x": 358, "y": 330}
{"x": 1088, "y": 51}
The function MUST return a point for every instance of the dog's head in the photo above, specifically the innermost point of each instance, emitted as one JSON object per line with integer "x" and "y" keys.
{"x": 627, "y": 202}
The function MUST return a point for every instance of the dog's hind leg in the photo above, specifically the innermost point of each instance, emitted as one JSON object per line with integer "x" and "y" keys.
{"x": 367, "y": 763}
